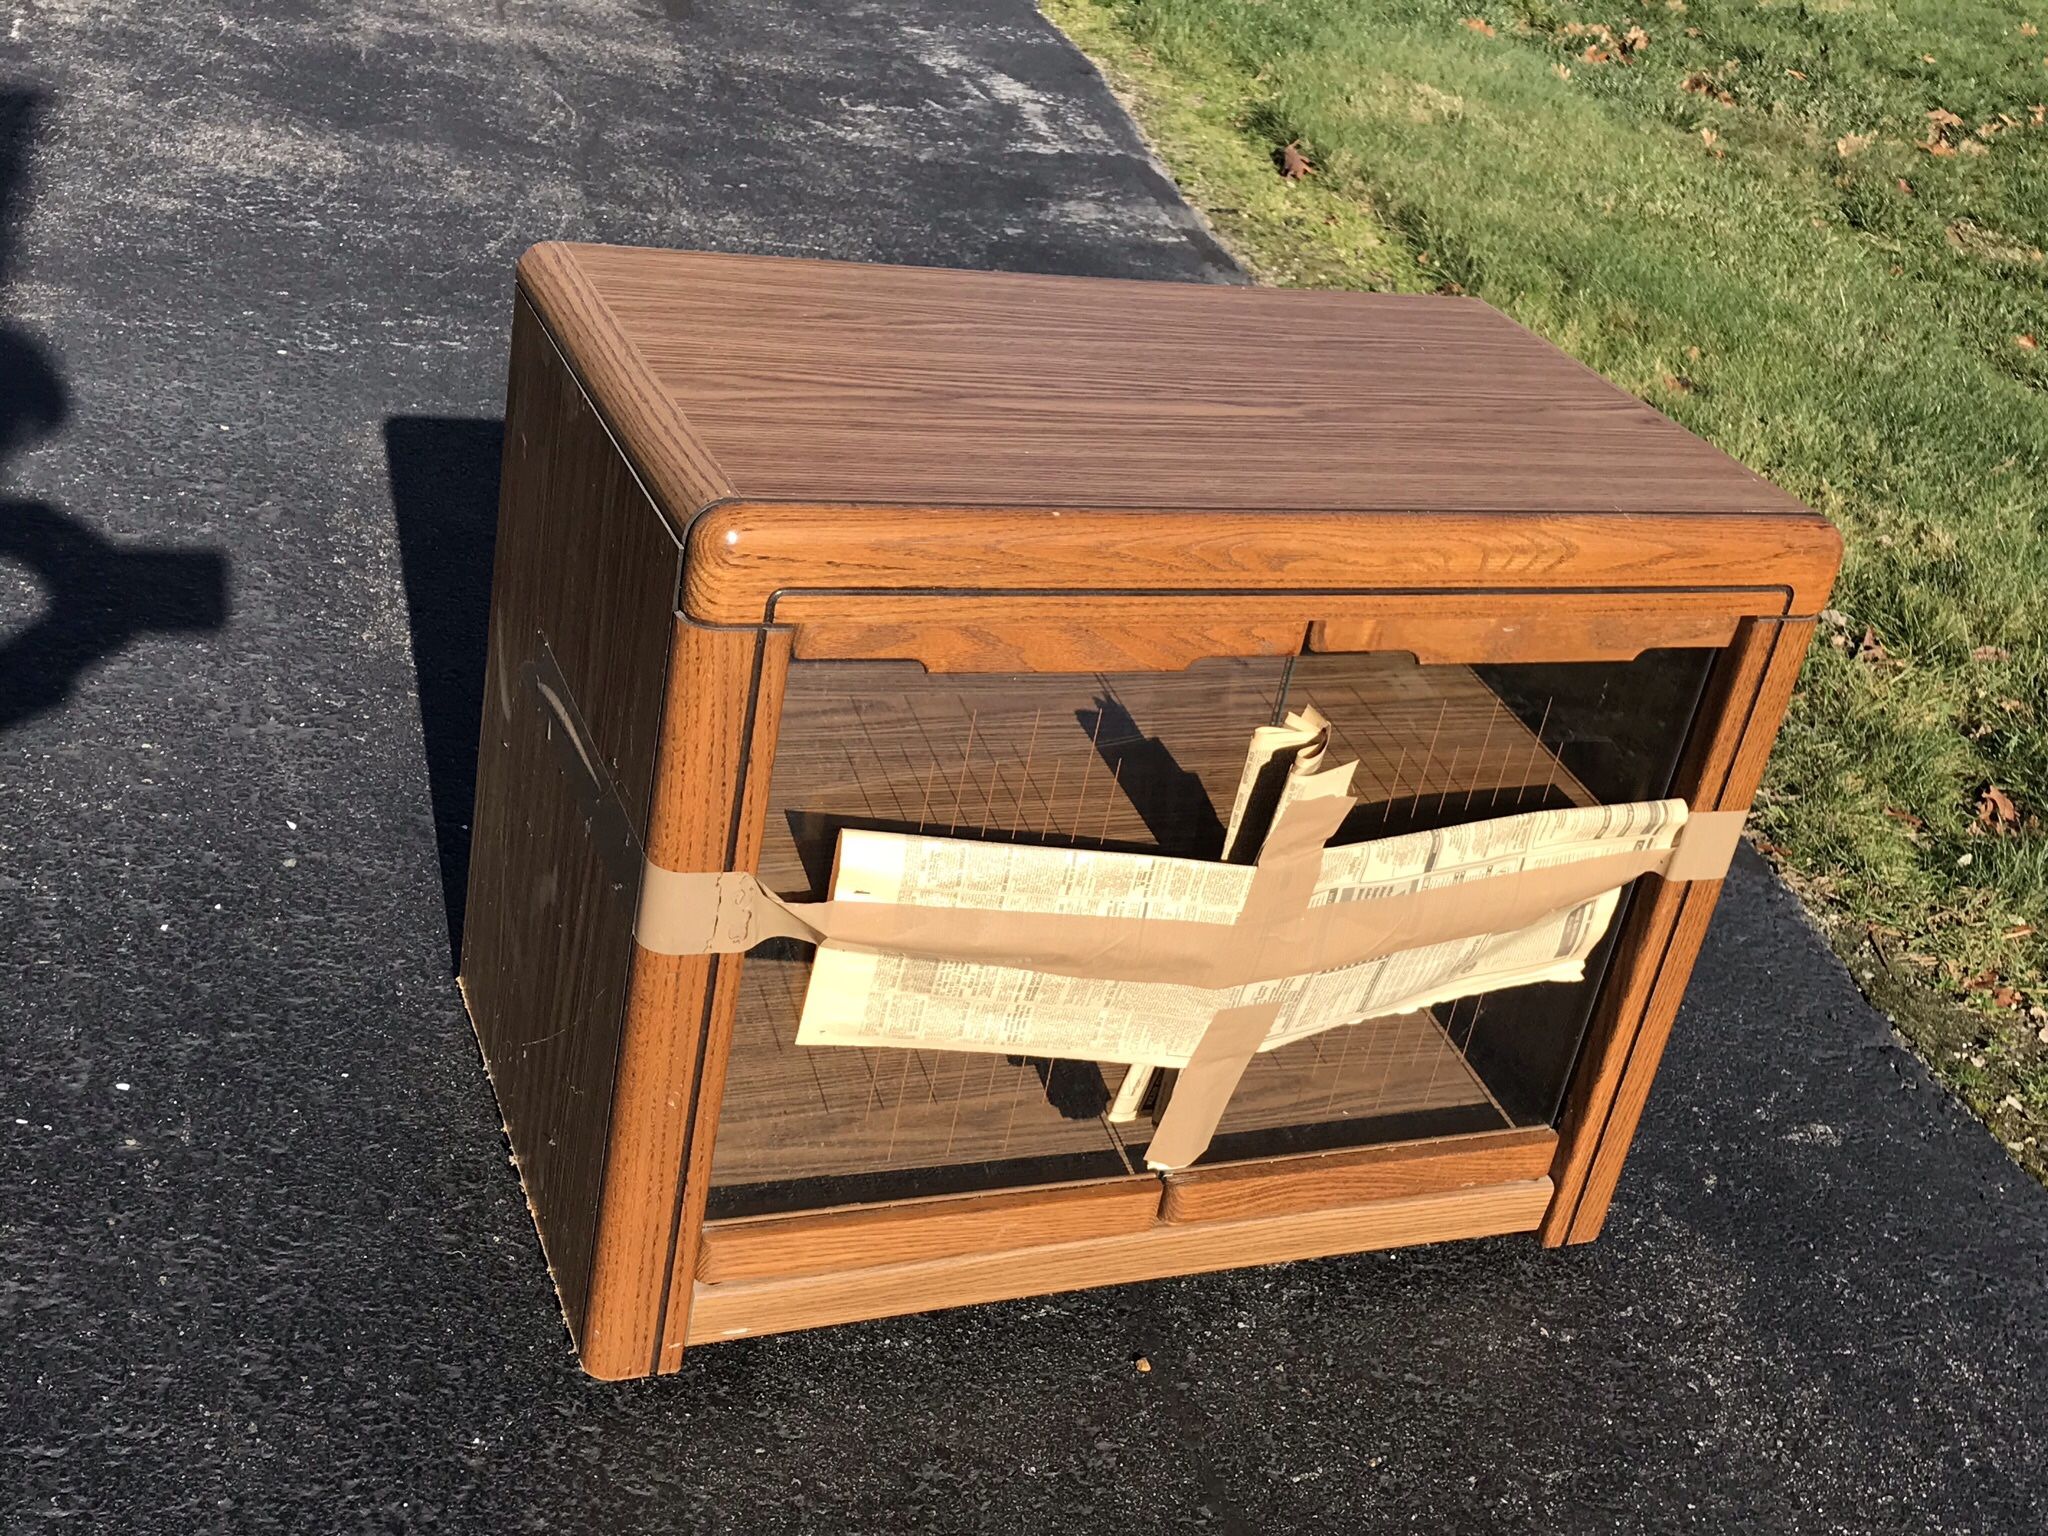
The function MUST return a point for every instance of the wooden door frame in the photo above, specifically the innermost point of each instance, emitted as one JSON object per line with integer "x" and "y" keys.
{"x": 709, "y": 812}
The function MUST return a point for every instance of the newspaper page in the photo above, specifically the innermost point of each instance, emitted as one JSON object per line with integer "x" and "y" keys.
{"x": 1277, "y": 756}
{"x": 858, "y": 998}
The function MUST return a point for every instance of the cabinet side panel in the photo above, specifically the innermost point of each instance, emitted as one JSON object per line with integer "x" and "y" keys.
{"x": 584, "y": 585}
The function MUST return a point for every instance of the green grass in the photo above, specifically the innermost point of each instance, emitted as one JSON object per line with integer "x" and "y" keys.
{"x": 1739, "y": 220}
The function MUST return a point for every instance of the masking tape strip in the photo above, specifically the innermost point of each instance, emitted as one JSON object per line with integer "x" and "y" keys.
{"x": 1202, "y": 1089}
{"x": 685, "y": 913}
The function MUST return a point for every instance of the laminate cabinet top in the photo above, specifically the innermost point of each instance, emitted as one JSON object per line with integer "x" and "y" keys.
{"x": 770, "y": 379}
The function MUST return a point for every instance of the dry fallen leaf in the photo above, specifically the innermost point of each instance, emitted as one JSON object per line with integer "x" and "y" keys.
{"x": 1707, "y": 137}
{"x": 2006, "y": 997}
{"x": 1906, "y": 187}
{"x": 1143, "y": 1365}
{"x": 1634, "y": 40}
{"x": 1942, "y": 118}
{"x": 2028, "y": 29}
{"x": 1991, "y": 653}
{"x": 1699, "y": 83}
{"x": 1854, "y": 143}
{"x": 2026, "y": 340}
{"x": 1906, "y": 816}
{"x": 1995, "y": 810}
{"x": 1678, "y": 384}
{"x": 1795, "y": 74}
{"x": 1294, "y": 164}
{"x": 1478, "y": 24}
{"x": 1983, "y": 981}
{"x": 2018, "y": 931}
{"x": 1870, "y": 648}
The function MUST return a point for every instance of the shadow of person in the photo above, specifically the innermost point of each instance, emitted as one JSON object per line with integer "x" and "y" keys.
{"x": 101, "y": 596}
{"x": 95, "y": 596}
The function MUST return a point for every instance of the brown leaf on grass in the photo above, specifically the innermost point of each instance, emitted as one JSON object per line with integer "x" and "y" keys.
{"x": 1991, "y": 653}
{"x": 1854, "y": 144}
{"x": 2026, "y": 341}
{"x": 1995, "y": 810}
{"x": 1942, "y": 118}
{"x": 2018, "y": 931}
{"x": 1939, "y": 148}
{"x": 1906, "y": 816}
{"x": 1700, "y": 83}
{"x": 1594, "y": 54}
{"x": 1634, "y": 40}
{"x": 2028, "y": 29}
{"x": 1983, "y": 981}
{"x": 2005, "y": 997}
{"x": 1293, "y": 163}
{"x": 1905, "y": 186}
{"x": 1478, "y": 24}
{"x": 1708, "y": 138}
{"x": 1870, "y": 648}
{"x": 1795, "y": 74}
{"x": 1973, "y": 147}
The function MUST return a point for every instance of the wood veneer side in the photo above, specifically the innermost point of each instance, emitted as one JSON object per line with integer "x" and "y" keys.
{"x": 1746, "y": 704}
{"x": 681, "y": 474}
{"x": 584, "y": 582}
{"x": 669, "y": 1009}
{"x": 741, "y": 1308}
{"x": 741, "y": 554}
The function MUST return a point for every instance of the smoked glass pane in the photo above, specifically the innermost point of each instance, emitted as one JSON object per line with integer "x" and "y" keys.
{"x": 1139, "y": 762}
{"x": 1150, "y": 762}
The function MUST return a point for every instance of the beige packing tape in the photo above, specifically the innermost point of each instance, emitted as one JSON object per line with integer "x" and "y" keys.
{"x": 1203, "y": 1087}
{"x": 684, "y": 913}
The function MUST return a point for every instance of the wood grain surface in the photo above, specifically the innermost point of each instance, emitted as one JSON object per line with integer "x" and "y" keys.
{"x": 1273, "y": 1186}
{"x": 1281, "y": 438}
{"x": 738, "y": 1309}
{"x": 861, "y": 1236}
{"x": 833, "y": 381}
{"x": 586, "y": 567}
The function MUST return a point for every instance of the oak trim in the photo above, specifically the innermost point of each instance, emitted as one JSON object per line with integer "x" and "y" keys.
{"x": 1275, "y": 1186}
{"x": 737, "y": 1309}
{"x": 1037, "y": 632}
{"x": 649, "y": 430}
{"x": 659, "y": 1121}
{"x": 742, "y": 555}
{"x": 946, "y": 1226}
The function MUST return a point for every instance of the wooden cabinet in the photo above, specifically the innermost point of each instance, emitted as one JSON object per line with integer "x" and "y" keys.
{"x": 789, "y": 547}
